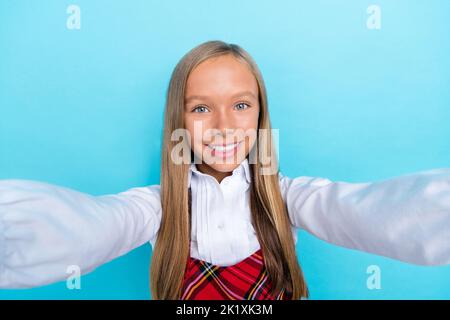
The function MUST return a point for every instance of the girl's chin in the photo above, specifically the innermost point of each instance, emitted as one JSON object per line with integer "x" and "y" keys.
{"x": 222, "y": 164}
{"x": 223, "y": 167}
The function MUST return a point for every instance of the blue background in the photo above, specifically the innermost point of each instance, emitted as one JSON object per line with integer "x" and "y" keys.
{"x": 84, "y": 109}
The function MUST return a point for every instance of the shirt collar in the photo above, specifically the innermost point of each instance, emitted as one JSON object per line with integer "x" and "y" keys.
{"x": 243, "y": 170}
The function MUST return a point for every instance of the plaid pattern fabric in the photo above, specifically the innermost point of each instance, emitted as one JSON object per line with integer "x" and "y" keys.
{"x": 246, "y": 280}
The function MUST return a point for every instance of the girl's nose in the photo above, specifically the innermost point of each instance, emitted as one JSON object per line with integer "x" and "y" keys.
{"x": 224, "y": 122}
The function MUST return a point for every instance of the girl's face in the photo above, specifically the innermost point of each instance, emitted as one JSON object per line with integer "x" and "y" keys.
{"x": 221, "y": 113}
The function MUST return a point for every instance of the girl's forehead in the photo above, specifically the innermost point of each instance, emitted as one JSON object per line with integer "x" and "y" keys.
{"x": 220, "y": 75}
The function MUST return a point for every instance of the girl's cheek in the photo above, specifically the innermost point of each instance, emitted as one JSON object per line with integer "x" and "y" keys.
{"x": 199, "y": 147}
{"x": 249, "y": 143}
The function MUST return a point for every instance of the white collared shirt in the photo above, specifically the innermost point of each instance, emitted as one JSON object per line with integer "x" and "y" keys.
{"x": 45, "y": 228}
{"x": 222, "y": 232}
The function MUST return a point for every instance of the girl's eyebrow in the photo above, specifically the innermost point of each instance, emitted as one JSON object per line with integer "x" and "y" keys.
{"x": 239, "y": 94}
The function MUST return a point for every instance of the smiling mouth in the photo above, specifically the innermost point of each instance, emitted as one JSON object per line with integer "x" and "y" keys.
{"x": 224, "y": 150}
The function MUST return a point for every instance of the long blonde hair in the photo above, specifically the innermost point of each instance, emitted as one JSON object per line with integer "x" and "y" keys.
{"x": 269, "y": 212}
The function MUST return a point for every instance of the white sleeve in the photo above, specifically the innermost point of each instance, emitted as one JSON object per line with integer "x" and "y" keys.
{"x": 45, "y": 228}
{"x": 405, "y": 218}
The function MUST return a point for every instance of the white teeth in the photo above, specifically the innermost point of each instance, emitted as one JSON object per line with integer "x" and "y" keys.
{"x": 221, "y": 148}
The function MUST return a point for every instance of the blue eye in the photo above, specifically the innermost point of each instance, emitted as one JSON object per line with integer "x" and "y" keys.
{"x": 242, "y": 104}
{"x": 200, "y": 107}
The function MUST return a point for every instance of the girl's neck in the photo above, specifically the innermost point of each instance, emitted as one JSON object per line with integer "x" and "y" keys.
{"x": 204, "y": 168}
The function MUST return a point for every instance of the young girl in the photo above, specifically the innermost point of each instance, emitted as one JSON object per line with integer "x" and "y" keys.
{"x": 219, "y": 229}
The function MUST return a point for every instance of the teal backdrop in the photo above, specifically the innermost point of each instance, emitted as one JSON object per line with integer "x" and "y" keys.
{"x": 83, "y": 108}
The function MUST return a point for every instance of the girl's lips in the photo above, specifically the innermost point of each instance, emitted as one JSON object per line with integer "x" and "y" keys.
{"x": 224, "y": 151}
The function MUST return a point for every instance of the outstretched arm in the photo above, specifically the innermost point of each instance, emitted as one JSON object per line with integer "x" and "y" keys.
{"x": 45, "y": 228}
{"x": 405, "y": 218}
